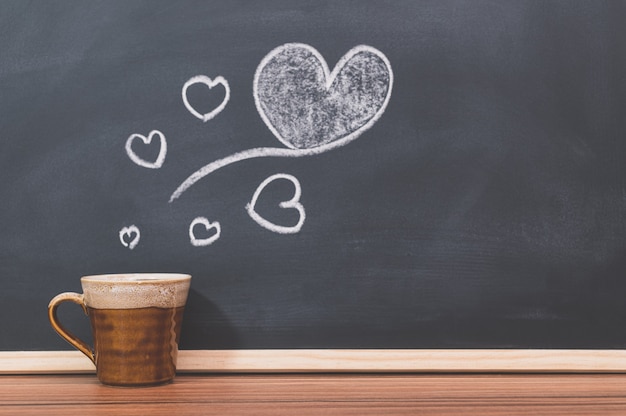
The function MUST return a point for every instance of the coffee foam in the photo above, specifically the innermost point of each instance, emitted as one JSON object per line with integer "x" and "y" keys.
{"x": 132, "y": 291}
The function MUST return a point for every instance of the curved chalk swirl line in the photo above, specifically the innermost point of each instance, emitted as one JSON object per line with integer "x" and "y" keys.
{"x": 244, "y": 155}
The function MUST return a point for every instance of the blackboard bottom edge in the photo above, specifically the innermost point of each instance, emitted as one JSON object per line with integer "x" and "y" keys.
{"x": 343, "y": 361}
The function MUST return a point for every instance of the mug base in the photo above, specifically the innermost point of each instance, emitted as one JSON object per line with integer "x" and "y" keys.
{"x": 136, "y": 384}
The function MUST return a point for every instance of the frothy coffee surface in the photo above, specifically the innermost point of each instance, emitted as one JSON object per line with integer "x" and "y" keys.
{"x": 132, "y": 291}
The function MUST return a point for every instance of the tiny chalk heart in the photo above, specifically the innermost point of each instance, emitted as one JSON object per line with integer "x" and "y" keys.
{"x": 208, "y": 228}
{"x": 129, "y": 236}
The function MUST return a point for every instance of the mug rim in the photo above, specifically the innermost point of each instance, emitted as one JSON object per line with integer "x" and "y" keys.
{"x": 136, "y": 278}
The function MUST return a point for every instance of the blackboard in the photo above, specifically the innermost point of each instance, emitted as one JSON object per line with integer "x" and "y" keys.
{"x": 462, "y": 183}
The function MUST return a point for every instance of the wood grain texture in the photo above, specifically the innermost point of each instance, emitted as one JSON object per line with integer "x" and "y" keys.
{"x": 326, "y": 360}
{"x": 315, "y": 394}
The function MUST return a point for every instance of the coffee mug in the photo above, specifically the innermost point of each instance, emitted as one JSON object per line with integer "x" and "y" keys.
{"x": 135, "y": 321}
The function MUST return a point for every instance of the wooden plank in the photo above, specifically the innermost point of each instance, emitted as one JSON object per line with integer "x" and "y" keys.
{"x": 265, "y": 361}
{"x": 314, "y": 394}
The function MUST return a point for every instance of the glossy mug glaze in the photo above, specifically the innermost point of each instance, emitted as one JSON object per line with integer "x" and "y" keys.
{"x": 136, "y": 323}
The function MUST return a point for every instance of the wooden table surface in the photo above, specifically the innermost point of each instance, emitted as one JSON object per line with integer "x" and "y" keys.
{"x": 321, "y": 394}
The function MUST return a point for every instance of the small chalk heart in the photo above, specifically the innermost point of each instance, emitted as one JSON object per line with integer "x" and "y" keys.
{"x": 129, "y": 236}
{"x": 293, "y": 203}
{"x": 203, "y": 79}
{"x": 208, "y": 226}
{"x": 147, "y": 140}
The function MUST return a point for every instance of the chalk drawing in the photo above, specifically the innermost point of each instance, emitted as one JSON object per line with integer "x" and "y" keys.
{"x": 129, "y": 236}
{"x": 309, "y": 109}
{"x": 293, "y": 203}
{"x": 203, "y": 79}
{"x": 147, "y": 140}
{"x": 208, "y": 225}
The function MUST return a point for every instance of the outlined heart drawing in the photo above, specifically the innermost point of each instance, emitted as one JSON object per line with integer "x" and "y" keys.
{"x": 129, "y": 236}
{"x": 307, "y": 106}
{"x": 147, "y": 140}
{"x": 208, "y": 225}
{"x": 293, "y": 203}
{"x": 203, "y": 79}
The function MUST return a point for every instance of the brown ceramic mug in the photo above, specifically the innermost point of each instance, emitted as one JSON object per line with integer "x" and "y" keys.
{"x": 136, "y": 322}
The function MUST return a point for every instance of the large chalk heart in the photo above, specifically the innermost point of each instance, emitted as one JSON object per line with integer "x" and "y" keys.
{"x": 308, "y": 107}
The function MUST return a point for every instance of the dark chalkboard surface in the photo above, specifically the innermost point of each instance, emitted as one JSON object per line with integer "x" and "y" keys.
{"x": 462, "y": 168}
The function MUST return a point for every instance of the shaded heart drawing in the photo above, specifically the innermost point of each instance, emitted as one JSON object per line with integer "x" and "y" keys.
{"x": 203, "y": 79}
{"x": 208, "y": 226}
{"x": 147, "y": 140}
{"x": 306, "y": 106}
{"x": 129, "y": 236}
{"x": 293, "y": 203}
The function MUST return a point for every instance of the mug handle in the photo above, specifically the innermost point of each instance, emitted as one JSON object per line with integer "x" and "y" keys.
{"x": 76, "y": 342}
